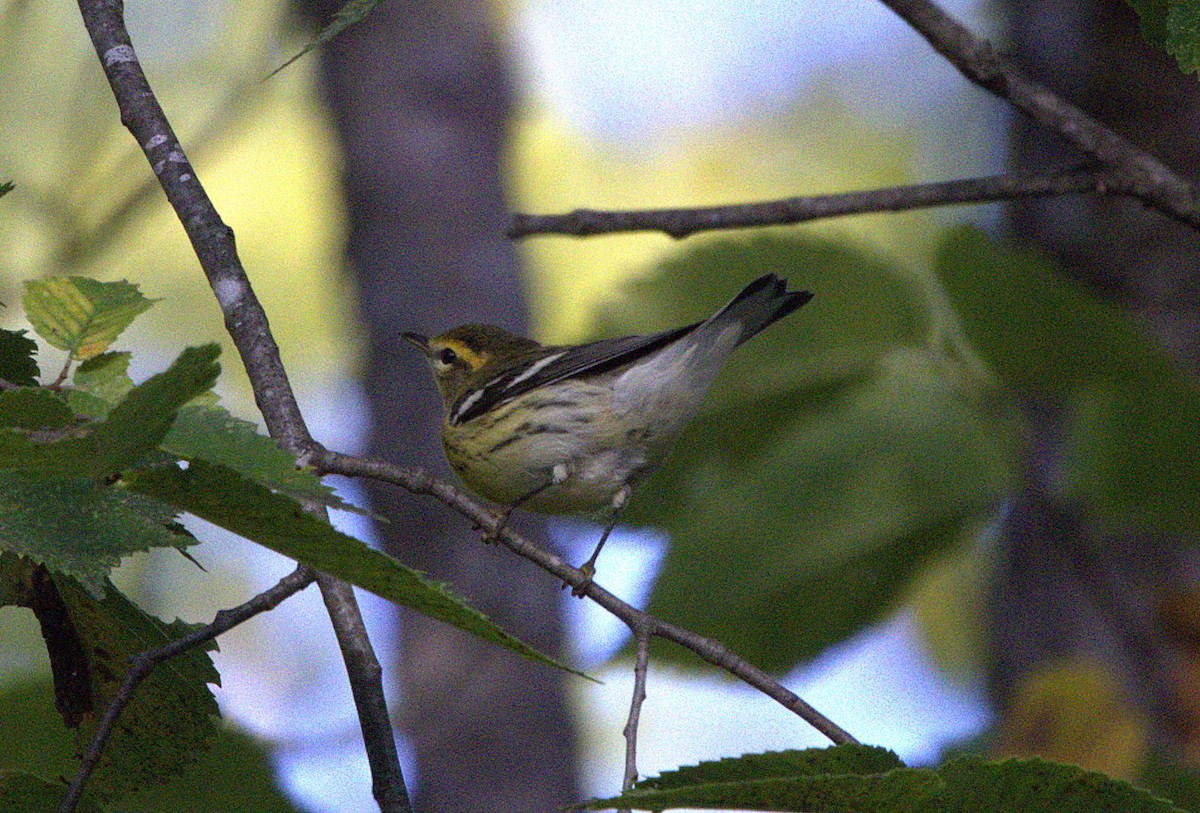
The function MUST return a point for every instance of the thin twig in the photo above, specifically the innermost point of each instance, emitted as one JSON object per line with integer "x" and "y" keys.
{"x": 641, "y": 668}
{"x": 419, "y": 481}
{"x": 62, "y": 375}
{"x": 247, "y": 324}
{"x": 789, "y": 211}
{"x": 143, "y": 664}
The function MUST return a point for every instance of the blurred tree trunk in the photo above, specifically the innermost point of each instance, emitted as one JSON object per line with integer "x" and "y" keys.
{"x": 1066, "y": 587}
{"x": 421, "y": 96}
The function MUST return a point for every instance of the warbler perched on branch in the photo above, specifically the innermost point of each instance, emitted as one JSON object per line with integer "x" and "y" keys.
{"x": 572, "y": 429}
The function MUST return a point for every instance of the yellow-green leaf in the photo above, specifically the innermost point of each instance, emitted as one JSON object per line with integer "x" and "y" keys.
{"x": 82, "y": 315}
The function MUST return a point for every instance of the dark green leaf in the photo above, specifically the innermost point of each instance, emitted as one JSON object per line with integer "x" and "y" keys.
{"x": 1173, "y": 25}
{"x": 1133, "y": 421}
{"x": 1040, "y": 331}
{"x": 6, "y": 187}
{"x": 212, "y": 434}
{"x": 133, "y": 429}
{"x": 79, "y": 527}
{"x": 23, "y": 793}
{"x": 82, "y": 315}
{"x": 226, "y": 498}
{"x": 855, "y": 779}
{"x": 46, "y": 746}
{"x": 105, "y": 376}
{"x": 68, "y": 452}
{"x": 1037, "y": 786}
{"x": 16, "y": 358}
{"x": 862, "y": 308}
{"x": 840, "y": 759}
{"x": 34, "y": 408}
{"x": 138, "y": 424}
{"x": 171, "y": 718}
{"x": 894, "y": 791}
{"x": 809, "y": 512}
{"x": 235, "y": 774}
{"x": 1167, "y": 775}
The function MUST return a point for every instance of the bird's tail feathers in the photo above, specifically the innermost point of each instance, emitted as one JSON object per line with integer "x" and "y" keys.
{"x": 762, "y": 302}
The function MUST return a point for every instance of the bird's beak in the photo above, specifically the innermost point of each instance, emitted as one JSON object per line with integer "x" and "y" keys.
{"x": 421, "y": 342}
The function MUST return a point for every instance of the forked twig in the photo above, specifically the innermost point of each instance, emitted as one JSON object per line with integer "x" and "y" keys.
{"x": 143, "y": 664}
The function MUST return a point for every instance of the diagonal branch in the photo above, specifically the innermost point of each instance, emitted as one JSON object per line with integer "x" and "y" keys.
{"x": 247, "y": 324}
{"x": 1121, "y": 167}
{"x": 1148, "y": 178}
{"x": 419, "y": 481}
{"x": 789, "y": 211}
{"x": 143, "y": 664}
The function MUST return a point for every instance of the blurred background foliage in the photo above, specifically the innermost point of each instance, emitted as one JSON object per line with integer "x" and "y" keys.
{"x": 856, "y": 459}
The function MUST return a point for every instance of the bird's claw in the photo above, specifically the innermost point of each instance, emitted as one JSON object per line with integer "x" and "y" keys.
{"x": 588, "y": 570}
{"x": 492, "y": 537}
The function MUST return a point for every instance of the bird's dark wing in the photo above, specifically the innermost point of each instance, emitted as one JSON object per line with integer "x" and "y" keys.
{"x": 559, "y": 364}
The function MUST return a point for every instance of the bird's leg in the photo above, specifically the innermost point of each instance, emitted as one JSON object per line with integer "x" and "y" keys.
{"x": 557, "y": 475}
{"x": 589, "y": 567}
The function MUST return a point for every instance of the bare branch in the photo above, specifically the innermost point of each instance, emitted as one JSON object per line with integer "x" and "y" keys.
{"x": 641, "y": 669}
{"x": 366, "y": 676}
{"x": 419, "y": 481}
{"x": 1144, "y": 176}
{"x": 789, "y": 211}
{"x": 1122, "y": 168}
{"x": 246, "y": 321}
{"x": 142, "y": 665}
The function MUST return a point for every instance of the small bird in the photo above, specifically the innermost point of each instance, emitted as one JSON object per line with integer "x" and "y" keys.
{"x": 572, "y": 429}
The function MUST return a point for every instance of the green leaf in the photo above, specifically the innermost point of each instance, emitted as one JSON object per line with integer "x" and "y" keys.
{"x": 1133, "y": 428}
{"x": 235, "y": 773}
{"x": 23, "y": 793}
{"x": 810, "y": 512}
{"x": 842, "y": 778}
{"x": 171, "y": 718}
{"x": 840, "y": 759}
{"x": 351, "y": 12}
{"x": 133, "y": 429}
{"x": 226, "y": 498}
{"x": 79, "y": 527}
{"x": 34, "y": 408}
{"x": 6, "y": 187}
{"x": 46, "y": 747}
{"x": 64, "y": 453}
{"x": 1173, "y": 25}
{"x": 212, "y": 434}
{"x": 105, "y": 376}
{"x": 1040, "y": 331}
{"x": 82, "y": 315}
{"x": 894, "y": 792}
{"x": 850, "y": 778}
{"x": 138, "y": 424}
{"x": 16, "y": 358}
{"x": 87, "y": 405}
{"x": 1037, "y": 786}
{"x": 1167, "y": 775}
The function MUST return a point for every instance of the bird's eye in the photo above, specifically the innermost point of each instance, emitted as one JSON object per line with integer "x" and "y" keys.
{"x": 447, "y": 356}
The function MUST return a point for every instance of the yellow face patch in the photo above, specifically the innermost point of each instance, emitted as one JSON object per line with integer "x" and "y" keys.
{"x": 449, "y": 353}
